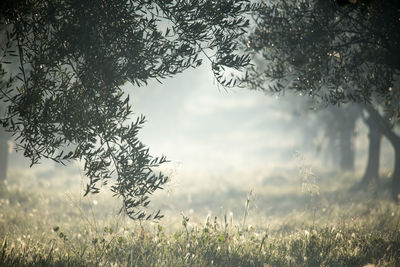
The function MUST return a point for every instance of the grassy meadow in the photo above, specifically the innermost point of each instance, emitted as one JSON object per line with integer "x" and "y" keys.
{"x": 296, "y": 218}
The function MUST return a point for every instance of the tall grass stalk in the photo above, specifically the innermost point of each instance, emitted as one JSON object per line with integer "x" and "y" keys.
{"x": 246, "y": 208}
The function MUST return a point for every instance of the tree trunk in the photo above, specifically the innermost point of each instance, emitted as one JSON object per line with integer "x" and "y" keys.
{"x": 340, "y": 131}
{"x": 346, "y": 136}
{"x": 386, "y": 129}
{"x": 3, "y": 156}
{"x": 396, "y": 172}
{"x": 372, "y": 170}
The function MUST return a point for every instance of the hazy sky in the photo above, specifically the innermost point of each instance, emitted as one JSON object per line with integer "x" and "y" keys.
{"x": 202, "y": 127}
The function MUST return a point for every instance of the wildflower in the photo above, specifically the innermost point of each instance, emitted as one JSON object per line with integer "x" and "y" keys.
{"x": 314, "y": 232}
{"x": 338, "y": 236}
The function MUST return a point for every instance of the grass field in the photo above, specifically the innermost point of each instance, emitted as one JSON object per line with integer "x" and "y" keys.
{"x": 291, "y": 219}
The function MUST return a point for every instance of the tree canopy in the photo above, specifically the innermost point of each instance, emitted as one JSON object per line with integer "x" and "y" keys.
{"x": 334, "y": 51}
{"x": 63, "y": 63}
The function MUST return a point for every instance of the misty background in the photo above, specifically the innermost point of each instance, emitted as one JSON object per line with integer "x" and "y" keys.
{"x": 215, "y": 137}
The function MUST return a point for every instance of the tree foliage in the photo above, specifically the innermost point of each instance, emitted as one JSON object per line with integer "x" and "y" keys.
{"x": 331, "y": 52}
{"x": 63, "y": 63}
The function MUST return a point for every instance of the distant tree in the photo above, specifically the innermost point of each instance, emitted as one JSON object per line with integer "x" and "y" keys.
{"x": 375, "y": 139}
{"x": 330, "y": 131}
{"x": 335, "y": 53}
{"x": 338, "y": 125}
{"x": 63, "y": 63}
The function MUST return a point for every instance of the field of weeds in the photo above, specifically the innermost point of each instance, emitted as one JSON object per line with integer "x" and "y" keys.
{"x": 283, "y": 221}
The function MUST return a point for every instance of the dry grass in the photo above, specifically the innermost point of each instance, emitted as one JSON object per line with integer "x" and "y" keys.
{"x": 47, "y": 223}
